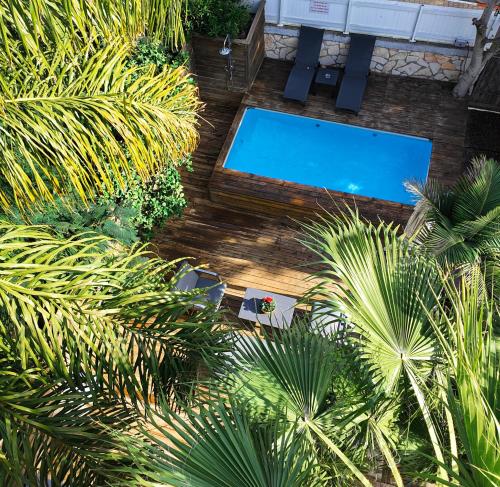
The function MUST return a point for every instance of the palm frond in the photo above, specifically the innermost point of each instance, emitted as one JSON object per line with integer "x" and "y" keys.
{"x": 40, "y": 26}
{"x": 76, "y": 127}
{"x": 51, "y": 434}
{"x": 387, "y": 286}
{"x": 473, "y": 379}
{"x": 93, "y": 340}
{"x": 460, "y": 226}
{"x": 221, "y": 445}
{"x": 317, "y": 388}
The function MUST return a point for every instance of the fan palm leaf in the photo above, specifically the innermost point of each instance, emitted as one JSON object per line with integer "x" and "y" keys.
{"x": 385, "y": 287}
{"x": 220, "y": 445}
{"x": 460, "y": 225}
{"x": 319, "y": 391}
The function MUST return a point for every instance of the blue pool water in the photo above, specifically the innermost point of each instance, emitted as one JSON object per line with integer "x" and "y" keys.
{"x": 328, "y": 155}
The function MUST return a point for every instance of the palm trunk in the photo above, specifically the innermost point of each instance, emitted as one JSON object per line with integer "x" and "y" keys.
{"x": 479, "y": 58}
{"x": 469, "y": 78}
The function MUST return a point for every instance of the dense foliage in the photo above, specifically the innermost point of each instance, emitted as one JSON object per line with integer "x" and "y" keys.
{"x": 75, "y": 114}
{"x": 151, "y": 202}
{"x": 129, "y": 206}
{"x": 408, "y": 376}
{"x": 150, "y": 52}
{"x": 79, "y": 365}
{"x": 460, "y": 226}
{"x": 69, "y": 216}
{"x": 216, "y": 18}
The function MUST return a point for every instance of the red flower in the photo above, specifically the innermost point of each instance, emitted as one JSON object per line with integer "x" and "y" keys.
{"x": 267, "y": 299}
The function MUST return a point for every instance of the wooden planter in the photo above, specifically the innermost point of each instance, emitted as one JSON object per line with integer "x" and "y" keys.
{"x": 247, "y": 55}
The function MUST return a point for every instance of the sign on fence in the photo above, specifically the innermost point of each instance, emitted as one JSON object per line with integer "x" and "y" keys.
{"x": 319, "y": 7}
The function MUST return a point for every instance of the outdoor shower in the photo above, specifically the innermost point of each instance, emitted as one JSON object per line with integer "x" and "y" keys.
{"x": 225, "y": 52}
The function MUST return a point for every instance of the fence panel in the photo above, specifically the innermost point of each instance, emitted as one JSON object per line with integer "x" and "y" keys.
{"x": 445, "y": 24}
{"x": 272, "y": 11}
{"x": 390, "y": 19}
{"x": 329, "y": 14}
{"x": 379, "y": 17}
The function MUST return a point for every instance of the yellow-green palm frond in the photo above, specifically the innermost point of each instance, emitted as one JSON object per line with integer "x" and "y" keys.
{"x": 74, "y": 126}
{"x": 42, "y": 25}
{"x": 88, "y": 339}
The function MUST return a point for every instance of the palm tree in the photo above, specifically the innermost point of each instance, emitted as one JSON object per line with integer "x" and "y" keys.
{"x": 89, "y": 341}
{"x": 460, "y": 226}
{"x": 471, "y": 347}
{"x": 220, "y": 444}
{"x": 297, "y": 410}
{"x": 73, "y": 115}
{"x": 385, "y": 286}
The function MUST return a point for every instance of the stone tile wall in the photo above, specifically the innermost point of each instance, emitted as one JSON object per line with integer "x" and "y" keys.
{"x": 424, "y": 61}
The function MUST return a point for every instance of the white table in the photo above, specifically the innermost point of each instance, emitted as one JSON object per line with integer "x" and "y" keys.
{"x": 282, "y": 315}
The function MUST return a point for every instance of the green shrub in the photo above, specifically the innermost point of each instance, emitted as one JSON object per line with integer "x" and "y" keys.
{"x": 147, "y": 52}
{"x": 154, "y": 201}
{"x": 70, "y": 217}
{"x": 216, "y": 18}
{"x": 128, "y": 215}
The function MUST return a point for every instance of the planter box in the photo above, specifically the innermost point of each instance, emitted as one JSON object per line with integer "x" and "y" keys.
{"x": 247, "y": 55}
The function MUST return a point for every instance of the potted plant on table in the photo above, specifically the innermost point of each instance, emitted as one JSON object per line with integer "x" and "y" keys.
{"x": 267, "y": 305}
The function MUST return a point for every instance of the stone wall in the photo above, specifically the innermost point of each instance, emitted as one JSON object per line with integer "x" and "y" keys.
{"x": 397, "y": 58}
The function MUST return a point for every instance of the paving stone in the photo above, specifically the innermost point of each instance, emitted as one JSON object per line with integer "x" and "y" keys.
{"x": 410, "y": 69}
{"x": 434, "y": 67}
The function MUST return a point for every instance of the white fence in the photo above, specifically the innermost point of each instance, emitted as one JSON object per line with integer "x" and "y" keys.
{"x": 380, "y": 17}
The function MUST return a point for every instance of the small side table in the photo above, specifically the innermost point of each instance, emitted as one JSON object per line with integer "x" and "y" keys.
{"x": 327, "y": 77}
{"x": 281, "y": 317}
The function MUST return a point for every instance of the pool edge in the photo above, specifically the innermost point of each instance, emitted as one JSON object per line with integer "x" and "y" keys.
{"x": 276, "y": 196}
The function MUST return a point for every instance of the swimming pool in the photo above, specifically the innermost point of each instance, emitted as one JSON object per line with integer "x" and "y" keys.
{"x": 329, "y": 155}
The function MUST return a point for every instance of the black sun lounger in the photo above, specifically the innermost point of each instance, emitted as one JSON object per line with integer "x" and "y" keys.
{"x": 357, "y": 69}
{"x": 303, "y": 71}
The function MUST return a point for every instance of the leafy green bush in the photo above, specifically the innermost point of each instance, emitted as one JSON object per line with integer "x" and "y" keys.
{"x": 154, "y": 201}
{"x": 127, "y": 215}
{"x": 70, "y": 217}
{"x": 147, "y": 52}
{"x": 216, "y": 18}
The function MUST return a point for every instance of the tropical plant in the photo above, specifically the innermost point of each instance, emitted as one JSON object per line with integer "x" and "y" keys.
{"x": 69, "y": 217}
{"x": 220, "y": 445}
{"x": 217, "y": 18}
{"x": 152, "y": 202}
{"x": 385, "y": 286}
{"x": 473, "y": 377}
{"x": 319, "y": 390}
{"x": 295, "y": 415}
{"x": 89, "y": 341}
{"x": 148, "y": 51}
{"x": 74, "y": 113}
{"x": 460, "y": 226}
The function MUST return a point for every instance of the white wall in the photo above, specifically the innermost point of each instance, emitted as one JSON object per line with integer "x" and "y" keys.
{"x": 385, "y": 18}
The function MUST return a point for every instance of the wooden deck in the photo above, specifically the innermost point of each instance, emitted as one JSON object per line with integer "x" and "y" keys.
{"x": 255, "y": 249}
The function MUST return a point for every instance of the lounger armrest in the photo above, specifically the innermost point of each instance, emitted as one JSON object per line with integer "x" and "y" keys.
{"x": 209, "y": 273}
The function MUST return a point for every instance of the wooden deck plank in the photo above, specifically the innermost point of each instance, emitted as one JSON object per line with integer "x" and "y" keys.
{"x": 251, "y": 248}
